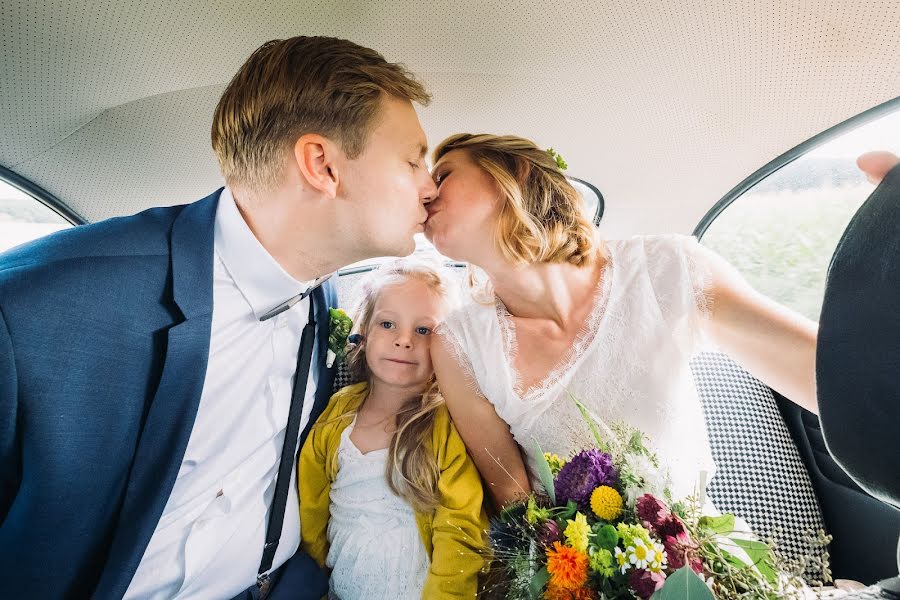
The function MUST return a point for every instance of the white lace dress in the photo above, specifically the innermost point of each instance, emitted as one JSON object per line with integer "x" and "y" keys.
{"x": 629, "y": 363}
{"x": 375, "y": 550}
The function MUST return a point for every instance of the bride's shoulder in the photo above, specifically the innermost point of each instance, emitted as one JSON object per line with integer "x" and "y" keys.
{"x": 663, "y": 243}
{"x": 655, "y": 253}
{"x": 470, "y": 313}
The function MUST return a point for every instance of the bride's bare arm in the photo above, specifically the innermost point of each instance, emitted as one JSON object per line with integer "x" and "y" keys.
{"x": 774, "y": 343}
{"x": 487, "y": 437}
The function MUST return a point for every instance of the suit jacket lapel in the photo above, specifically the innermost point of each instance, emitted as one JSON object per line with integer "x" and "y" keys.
{"x": 171, "y": 414}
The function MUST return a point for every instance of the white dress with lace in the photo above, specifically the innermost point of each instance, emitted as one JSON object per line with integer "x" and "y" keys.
{"x": 375, "y": 549}
{"x": 629, "y": 363}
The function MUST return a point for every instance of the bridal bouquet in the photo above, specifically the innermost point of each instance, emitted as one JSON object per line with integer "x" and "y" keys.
{"x": 607, "y": 527}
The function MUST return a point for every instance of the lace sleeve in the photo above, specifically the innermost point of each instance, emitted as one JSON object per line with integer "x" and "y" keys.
{"x": 699, "y": 273}
{"x": 453, "y": 334}
{"x": 472, "y": 336}
{"x": 699, "y": 260}
{"x": 680, "y": 270}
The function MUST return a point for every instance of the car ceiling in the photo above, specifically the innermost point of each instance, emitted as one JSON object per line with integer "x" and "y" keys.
{"x": 665, "y": 105}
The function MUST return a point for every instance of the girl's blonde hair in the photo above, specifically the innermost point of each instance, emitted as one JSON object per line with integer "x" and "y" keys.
{"x": 412, "y": 470}
{"x": 541, "y": 219}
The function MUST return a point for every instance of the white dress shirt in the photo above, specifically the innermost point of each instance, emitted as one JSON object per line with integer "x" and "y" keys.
{"x": 209, "y": 540}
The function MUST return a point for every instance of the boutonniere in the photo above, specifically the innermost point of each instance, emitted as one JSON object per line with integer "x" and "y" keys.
{"x": 340, "y": 325}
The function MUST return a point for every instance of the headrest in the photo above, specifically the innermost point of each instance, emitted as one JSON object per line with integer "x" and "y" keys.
{"x": 858, "y": 353}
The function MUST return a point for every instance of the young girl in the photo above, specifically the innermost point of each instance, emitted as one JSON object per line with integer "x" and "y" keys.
{"x": 389, "y": 499}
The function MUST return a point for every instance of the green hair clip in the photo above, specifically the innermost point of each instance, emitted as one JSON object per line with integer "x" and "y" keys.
{"x": 559, "y": 159}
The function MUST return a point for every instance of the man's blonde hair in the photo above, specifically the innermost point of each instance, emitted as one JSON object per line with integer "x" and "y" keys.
{"x": 542, "y": 218}
{"x": 288, "y": 88}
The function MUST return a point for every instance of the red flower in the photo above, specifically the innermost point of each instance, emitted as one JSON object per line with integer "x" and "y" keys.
{"x": 671, "y": 526}
{"x": 681, "y": 550}
{"x": 651, "y": 511}
{"x": 645, "y": 582}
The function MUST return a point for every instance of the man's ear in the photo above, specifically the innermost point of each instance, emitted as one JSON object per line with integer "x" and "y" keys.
{"x": 316, "y": 158}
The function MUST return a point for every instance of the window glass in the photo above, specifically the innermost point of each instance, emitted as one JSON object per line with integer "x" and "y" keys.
{"x": 782, "y": 233}
{"x": 22, "y": 218}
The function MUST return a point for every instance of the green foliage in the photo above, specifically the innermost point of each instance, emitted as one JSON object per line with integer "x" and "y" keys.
{"x": 683, "y": 584}
{"x": 538, "y": 582}
{"x": 559, "y": 159}
{"x": 723, "y": 524}
{"x": 545, "y": 474}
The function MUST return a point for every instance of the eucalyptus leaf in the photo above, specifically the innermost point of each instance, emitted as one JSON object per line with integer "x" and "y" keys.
{"x": 683, "y": 584}
{"x": 544, "y": 473}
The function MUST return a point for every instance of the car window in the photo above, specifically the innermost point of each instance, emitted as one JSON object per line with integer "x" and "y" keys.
{"x": 782, "y": 232}
{"x": 22, "y": 218}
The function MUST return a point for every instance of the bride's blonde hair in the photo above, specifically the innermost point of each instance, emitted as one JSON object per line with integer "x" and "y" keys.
{"x": 541, "y": 219}
{"x": 412, "y": 470}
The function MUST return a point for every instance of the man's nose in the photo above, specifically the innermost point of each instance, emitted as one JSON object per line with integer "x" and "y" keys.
{"x": 430, "y": 191}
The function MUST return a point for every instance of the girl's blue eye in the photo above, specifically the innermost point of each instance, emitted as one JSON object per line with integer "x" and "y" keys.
{"x": 386, "y": 324}
{"x": 423, "y": 330}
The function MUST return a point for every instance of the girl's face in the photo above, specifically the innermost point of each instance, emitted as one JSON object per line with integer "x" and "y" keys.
{"x": 462, "y": 221}
{"x": 398, "y": 338}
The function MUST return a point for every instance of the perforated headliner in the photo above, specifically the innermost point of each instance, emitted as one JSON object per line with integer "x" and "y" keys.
{"x": 665, "y": 105}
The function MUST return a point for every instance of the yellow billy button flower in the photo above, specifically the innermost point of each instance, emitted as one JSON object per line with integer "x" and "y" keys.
{"x": 577, "y": 532}
{"x": 606, "y": 503}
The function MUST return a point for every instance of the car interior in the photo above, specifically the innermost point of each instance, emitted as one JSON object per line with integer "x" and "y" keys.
{"x": 737, "y": 122}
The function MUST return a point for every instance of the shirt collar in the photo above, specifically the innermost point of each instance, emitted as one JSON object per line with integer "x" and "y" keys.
{"x": 258, "y": 276}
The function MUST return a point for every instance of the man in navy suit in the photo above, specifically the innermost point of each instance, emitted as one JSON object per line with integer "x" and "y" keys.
{"x": 147, "y": 363}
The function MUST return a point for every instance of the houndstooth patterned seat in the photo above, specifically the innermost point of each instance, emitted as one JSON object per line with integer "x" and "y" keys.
{"x": 342, "y": 377}
{"x": 760, "y": 476}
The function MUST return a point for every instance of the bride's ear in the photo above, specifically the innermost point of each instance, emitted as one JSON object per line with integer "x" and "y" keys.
{"x": 316, "y": 158}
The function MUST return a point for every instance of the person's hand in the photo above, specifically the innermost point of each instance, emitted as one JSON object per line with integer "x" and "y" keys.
{"x": 876, "y": 164}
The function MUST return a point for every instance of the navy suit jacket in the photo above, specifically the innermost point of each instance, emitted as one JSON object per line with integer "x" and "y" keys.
{"x": 104, "y": 341}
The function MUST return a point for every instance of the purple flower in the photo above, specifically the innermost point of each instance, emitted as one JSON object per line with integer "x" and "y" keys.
{"x": 582, "y": 475}
{"x": 651, "y": 511}
{"x": 549, "y": 533}
{"x": 645, "y": 582}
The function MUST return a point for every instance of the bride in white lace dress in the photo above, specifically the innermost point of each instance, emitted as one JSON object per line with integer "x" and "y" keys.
{"x": 614, "y": 323}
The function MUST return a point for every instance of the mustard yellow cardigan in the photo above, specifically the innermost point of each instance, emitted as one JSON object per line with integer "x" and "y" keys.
{"x": 453, "y": 535}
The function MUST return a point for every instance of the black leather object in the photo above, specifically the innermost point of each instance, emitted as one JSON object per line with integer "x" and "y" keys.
{"x": 858, "y": 354}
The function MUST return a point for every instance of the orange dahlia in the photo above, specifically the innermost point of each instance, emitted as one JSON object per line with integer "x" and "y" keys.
{"x": 555, "y": 593}
{"x": 568, "y": 567}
